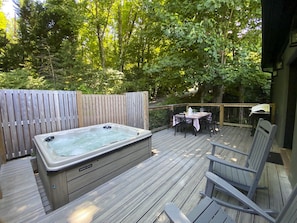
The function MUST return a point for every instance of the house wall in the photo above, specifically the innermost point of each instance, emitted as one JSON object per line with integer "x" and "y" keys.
{"x": 280, "y": 91}
{"x": 293, "y": 172}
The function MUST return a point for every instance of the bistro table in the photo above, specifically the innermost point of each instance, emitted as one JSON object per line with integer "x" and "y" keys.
{"x": 194, "y": 117}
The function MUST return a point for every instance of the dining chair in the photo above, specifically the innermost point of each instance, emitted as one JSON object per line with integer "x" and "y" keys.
{"x": 215, "y": 114}
{"x": 183, "y": 124}
{"x": 207, "y": 124}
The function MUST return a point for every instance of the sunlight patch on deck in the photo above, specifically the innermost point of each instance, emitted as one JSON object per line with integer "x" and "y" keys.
{"x": 83, "y": 213}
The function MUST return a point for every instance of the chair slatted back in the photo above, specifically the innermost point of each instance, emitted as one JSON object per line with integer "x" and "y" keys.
{"x": 262, "y": 143}
{"x": 261, "y": 146}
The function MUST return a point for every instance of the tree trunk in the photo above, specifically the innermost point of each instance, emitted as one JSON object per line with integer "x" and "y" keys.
{"x": 220, "y": 95}
{"x": 100, "y": 36}
{"x": 120, "y": 42}
{"x": 101, "y": 48}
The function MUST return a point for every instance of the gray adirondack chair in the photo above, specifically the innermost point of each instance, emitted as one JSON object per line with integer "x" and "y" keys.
{"x": 209, "y": 210}
{"x": 245, "y": 177}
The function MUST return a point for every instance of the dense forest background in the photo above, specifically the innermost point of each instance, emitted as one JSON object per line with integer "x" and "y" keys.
{"x": 204, "y": 50}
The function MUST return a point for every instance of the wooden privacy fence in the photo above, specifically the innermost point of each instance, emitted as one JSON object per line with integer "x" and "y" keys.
{"x": 99, "y": 108}
{"x": 26, "y": 113}
{"x": 128, "y": 109}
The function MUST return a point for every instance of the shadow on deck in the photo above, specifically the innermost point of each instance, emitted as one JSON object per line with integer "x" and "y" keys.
{"x": 175, "y": 173}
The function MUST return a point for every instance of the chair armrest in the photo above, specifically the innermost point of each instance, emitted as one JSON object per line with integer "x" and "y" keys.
{"x": 232, "y": 191}
{"x": 215, "y": 144}
{"x": 175, "y": 214}
{"x": 226, "y": 163}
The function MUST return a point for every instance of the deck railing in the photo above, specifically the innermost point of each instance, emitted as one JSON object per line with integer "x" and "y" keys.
{"x": 231, "y": 114}
{"x": 26, "y": 113}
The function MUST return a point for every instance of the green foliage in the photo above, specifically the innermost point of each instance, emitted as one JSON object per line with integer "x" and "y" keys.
{"x": 11, "y": 56}
{"x": 3, "y": 21}
{"x": 159, "y": 118}
{"x": 102, "y": 82}
{"x": 165, "y": 47}
{"x": 21, "y": 79}
{"x": 216, "y": 36}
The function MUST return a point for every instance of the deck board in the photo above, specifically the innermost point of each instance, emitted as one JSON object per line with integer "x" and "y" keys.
{"x": 175, "y": 173}
{"x": 21, "y": 200}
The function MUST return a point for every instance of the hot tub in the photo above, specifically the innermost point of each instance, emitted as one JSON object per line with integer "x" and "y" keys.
{"x": 73, "y": 162}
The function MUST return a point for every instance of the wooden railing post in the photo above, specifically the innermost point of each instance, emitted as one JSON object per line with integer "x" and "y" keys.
{"x": 146, "y": 119}
{"x": 79, "y": 108}
{"x": 171, "y": 112}
{"x": 221, "y": 115}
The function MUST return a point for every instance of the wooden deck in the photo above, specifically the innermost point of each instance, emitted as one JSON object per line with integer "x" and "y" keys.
{"x": 21, "y": 201}
{"x": 175, "y": 173}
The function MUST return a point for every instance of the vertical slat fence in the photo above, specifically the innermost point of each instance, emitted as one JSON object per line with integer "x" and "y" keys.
{"x": 128, "y": 109}
{"x": 25, "y": 113}
{"x": 98, "y": 109}
{"x": 137, "y": 109}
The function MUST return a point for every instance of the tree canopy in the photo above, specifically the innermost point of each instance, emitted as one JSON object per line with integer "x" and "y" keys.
{"x": 166, "y": 47}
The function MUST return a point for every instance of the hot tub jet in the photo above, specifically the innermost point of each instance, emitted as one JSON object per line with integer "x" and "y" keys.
{"x": 50, "y": 138}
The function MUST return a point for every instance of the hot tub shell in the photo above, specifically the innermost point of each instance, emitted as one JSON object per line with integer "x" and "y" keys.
{"x": 71, "y": 177}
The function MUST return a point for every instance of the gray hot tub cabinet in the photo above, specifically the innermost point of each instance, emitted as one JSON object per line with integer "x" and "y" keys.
{"x": 70, "y": 183}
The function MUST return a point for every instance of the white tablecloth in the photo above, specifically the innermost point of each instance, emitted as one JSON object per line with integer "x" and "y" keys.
{"x": 194, "y": 117}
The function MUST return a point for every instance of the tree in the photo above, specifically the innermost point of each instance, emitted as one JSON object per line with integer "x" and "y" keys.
{"x": 98, "y": 19}
{"x": 165, "y": 47}
{"x": 21, "y": 79}
{"x": 207, "y": 38}
{"x": 47, "y": 33}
